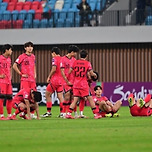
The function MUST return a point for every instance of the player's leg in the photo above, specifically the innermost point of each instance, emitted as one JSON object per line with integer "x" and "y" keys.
{"x": 93, "y": 107}
{"x": 71, "y": 108}
{"x": 116, "y": 106}
{"x": 49, "y": 91}
{"x": 2, "y": 99}
{"x": 81, "y": 107}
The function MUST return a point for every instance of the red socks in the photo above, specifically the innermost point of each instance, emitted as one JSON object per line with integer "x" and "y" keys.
{"x": 9, "y": 106}
{"x": 49, "y": 106}
{"x": 1, "y": 106}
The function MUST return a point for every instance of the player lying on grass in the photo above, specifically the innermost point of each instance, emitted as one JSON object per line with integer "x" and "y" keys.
{"x": 80, "y": 85}
{"x": 140, "y": 107}
{"x": 24, "y": 102}
{"x": 106, "y": 108}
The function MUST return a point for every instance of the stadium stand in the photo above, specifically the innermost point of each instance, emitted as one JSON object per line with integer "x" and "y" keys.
{"x": 64, "y": 13}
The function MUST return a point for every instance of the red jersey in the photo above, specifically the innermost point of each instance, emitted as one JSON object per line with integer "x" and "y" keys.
{"x": 27, "y": 63}
{"x": 80, "y": 68}
{"x": 23, "y": 94}
{"x": 57, "y": 76}
{"x": 5, "y": 68}
{"x": 67, "y": 63}
{"x": 102, "y": 98}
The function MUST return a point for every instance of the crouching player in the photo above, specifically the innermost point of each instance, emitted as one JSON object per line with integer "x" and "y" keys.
{"x": 140, "y": 107}
{"x": 106, "y": 108}
{"x": 24, "y": 102}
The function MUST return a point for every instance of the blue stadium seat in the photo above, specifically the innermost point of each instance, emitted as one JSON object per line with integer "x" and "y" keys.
{"x": 51, "y": 4}
{"x": 44, "y": 23}
{"x": 98, "y": 6}
{"x": 69, "y": 22}
{"x": 63, "y": 14}
{"x": 22, "y": 15}
{"x": 67, "y": 6}
{"x": 60, "y": 22}
{"x": 1, "y": 15}
{"x": 3, "y": 6}
{"x": 50, "y": 24}
{"x": 15, "y": 15}
{"x": 36, "y": 23}
{"x": 93, "y": 6}
{"x": 148, "y": 20}
{"x": 30, "y": 15}
{"x": 71, "y": 13}
{"x": 6, "y": 15}
{"x": 27, "y": 24}
{"x": 55, "y": 15}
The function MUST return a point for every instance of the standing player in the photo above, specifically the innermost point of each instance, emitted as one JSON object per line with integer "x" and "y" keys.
{"x": 66, "y": 63}
{"x": 24, "y": 101}
{"x": 141, "y": 107}
{"x": 106, "y": 108}
{"x": 80, "y": 86}
{"x": 5, "y": 81}
{"x": 55, "y": 81}
{"x": 27, "y": 70}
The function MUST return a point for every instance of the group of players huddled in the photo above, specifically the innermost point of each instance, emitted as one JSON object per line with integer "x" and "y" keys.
{"x": 69, "y": 77}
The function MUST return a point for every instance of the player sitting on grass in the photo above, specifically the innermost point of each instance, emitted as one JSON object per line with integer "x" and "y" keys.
{"x": 140, "y": 107}
{"x": 24, "y": 101}
{"x": 106, "y": 108}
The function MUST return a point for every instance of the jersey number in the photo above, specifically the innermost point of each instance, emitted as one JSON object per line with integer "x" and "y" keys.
{"x": 79, "y": 71}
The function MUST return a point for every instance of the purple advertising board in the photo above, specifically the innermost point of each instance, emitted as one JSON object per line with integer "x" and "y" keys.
{"x": 120, "y": 91}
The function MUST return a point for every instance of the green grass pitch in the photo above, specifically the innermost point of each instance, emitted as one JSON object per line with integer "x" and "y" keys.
{"x": 122, "y": 134}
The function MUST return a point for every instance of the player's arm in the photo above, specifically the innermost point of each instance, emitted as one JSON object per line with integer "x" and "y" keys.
{"x": 15, "y": 67}
{"x": 92, "y": 74}
{"x": 27, "y": 103}
{"x": 37, "y": 110}
{"x": 51, "y": 73}
{"x": 35, "y": 71}
{"x": 64, "y": 77}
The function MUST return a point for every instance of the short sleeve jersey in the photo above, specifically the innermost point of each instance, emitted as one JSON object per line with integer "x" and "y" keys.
{"x": 23, "y": 94}
{"x": 57, "y": 77}
{"x": 67, "y": 63}
{"x": 5, "y": 68}
{"x": 27, "y": 63}
{"x": 80, "y": 68}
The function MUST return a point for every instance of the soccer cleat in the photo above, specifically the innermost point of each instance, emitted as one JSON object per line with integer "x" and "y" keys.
{"x": 96, "y": 116}
{"x": 13, "y": 117}
{"x": 130, "y": 99}
{"x": 3, "y": 118}
{"x": 83, "y": 116}
{"x": 8, "y": 118}
{"x": 108, "y": 115}
{"x": 69, "y": 116}
{"x": 61, "y": 115}
{"x": 141, "y": 102}
{"x": 115, "y": 115}
{"x": 23, "y": 116}
{"x": 47, "y": 114}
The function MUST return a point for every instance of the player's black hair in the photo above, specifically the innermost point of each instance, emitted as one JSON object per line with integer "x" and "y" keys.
{"x": 83, "y": 54}
{"x": 37, "y": 96}
{"x": 96, "y": 87}
{"x": 27, "y": 44}
{"x": 6, "y": 47}
{"x": 56, "y": 50}
{"x": 73, "y": 48}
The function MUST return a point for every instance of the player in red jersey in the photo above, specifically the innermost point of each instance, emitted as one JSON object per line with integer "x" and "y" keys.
{"x": 66, "y": 63}
{"x": 80, "y": 86}
{"x": 25, "y": 101}
{"x": 55, "y": 81}
{"x": 27, "y": 69}
{"x": 5, "y": 81}
{"x": 140, "y": 107}
{"x": 106, "y": 108}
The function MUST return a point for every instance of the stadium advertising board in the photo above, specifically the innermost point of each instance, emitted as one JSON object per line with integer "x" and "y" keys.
{"x": 120, "y": 91}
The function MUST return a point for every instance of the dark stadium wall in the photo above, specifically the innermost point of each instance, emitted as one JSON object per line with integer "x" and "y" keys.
{"x": 115, "y": 62}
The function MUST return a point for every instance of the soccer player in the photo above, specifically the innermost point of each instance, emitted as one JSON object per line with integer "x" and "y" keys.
{"x": 66, "y": 63}
{"x": 5, "y": 81}
{"x": 24, "y": 101}
{"x": 55, "y": 81}
{"x": 140, "y": 107}
{"x": 27, "y": 69}
{"x": 80, "y": 86}
{"x": 106, "y": 108}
